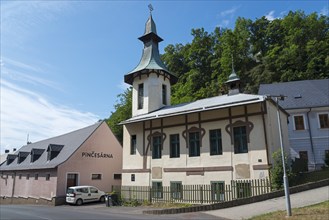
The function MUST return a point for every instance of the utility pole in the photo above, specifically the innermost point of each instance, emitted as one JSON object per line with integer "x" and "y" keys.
{"x": 285, "y": 177}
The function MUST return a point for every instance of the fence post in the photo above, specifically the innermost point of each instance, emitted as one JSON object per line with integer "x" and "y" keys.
{"x": 150, "y": 194}
{"x": 201, "y": 194}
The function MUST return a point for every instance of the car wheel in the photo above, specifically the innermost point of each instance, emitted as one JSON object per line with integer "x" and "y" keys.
{"x": 79, "y": 202}
{"x": 102, "y": 199}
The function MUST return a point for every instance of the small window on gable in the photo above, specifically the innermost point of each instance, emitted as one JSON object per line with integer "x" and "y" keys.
{"x": 53, "y": 151}
{"x": 36, "y": 176}
{"x": 47, "y": 176}
{"x": 36, "y": 153}
{"x": 324, "y": 120}
{"x": 11, "y": 158}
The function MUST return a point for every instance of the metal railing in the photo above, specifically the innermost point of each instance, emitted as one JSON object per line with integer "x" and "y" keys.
{"x": 195, "y": 194}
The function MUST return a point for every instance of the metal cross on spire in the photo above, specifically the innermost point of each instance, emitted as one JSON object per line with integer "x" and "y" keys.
{"x": 150, "y": 8}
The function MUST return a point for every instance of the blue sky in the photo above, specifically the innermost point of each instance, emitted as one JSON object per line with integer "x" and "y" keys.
{"x": 63, "y": 62}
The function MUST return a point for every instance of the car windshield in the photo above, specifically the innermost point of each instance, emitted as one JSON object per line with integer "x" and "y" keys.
{"x": 69, "y": 190}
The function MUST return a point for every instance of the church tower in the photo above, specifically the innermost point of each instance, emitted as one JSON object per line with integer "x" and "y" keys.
{"x": 151, "y": 80}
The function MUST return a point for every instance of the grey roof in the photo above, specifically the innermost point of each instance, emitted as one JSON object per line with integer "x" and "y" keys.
{"x": 216, "y": 102}
{"x": 300, "y": 94}
{"x": 150, "y": 61}
{"x": 70, "y": 141}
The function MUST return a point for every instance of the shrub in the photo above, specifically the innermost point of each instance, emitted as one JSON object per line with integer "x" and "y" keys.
{"x": 326, "y": 158}
{"x": 277, "y": 170}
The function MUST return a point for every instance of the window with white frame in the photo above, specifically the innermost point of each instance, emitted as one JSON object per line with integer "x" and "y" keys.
{"x": 96, "y": 176}
{"x": 323, "y": 120}
{"x": 299, "y": 122}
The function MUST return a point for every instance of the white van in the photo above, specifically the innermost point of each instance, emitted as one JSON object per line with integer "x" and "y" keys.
{"x": 82, "y": 194}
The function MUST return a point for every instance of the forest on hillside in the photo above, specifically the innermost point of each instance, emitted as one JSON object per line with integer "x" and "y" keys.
{"x": 292, "y": 48}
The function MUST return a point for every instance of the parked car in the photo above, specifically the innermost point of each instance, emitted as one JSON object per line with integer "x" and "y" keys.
{"x": 83, "y": 194}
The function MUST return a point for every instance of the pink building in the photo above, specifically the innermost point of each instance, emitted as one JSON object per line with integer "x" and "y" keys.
{"x": 41, "y": 172}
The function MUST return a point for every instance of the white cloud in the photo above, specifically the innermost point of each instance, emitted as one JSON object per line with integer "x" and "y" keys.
{"x": 26, "y": 112}
{"x": 19, "y": 18}
{"x": 229, "y": 12}
{"x": 270, "y": 16}
{"x": 224, "y": 23}
{"x": 20, "y": 72}
{"x": 324, "y": 11}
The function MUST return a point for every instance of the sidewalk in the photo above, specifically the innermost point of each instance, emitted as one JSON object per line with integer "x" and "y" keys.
{"x": 301, "y": 199}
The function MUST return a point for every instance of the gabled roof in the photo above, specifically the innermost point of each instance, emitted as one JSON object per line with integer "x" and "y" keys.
{"x": 300, "y": 94}
{"x": 70, "y": 142}
{"x": 216, "y": 102}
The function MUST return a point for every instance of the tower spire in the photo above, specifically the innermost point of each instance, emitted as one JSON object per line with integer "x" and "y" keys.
{"x": 150, "y": 61}
{"x": 233, "y": 81}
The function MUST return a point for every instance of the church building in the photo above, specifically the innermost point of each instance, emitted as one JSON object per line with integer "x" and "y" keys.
{"x": 213, "y": 140}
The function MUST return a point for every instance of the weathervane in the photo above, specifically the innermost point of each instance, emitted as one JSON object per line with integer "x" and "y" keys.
{"x": 151, "y": 8}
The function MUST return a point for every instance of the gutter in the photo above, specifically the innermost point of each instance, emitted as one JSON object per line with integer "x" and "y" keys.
{"x": 311, "y": 138}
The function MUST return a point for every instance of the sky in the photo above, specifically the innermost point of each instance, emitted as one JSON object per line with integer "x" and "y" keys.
{"x": 63, "y": 62}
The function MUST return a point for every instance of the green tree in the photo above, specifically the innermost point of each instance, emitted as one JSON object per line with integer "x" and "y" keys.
{"x": 123, "y": 110}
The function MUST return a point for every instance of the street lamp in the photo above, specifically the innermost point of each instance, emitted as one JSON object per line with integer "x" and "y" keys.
{"x": 285, "y": 178}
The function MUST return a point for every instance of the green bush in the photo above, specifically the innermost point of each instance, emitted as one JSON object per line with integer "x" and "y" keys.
{"x": 277, "y": 170}
{"x": 326, "y": 158}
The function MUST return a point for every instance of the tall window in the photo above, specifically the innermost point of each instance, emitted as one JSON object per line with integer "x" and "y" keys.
{"x": 217, "y": 191}
{"x": 174, "y": 146}
{"x": 157, "y": 191}
{"x": 140, "y": 96}
{"x": 164, "y": 94}
{"x": 240, "y": 140}
{"x": 324, "y": 120}
{"x": 299, "y": 122}
{"x": 194, "y": 144}
{"x": 133, "y": 145}
{"x": 215, "y": 137}
{"x": 176, "y": 190}
{"x": 156, "y": 148}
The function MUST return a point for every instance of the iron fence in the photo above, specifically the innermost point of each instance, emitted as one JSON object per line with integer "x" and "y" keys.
{"x": 195, "y": 194}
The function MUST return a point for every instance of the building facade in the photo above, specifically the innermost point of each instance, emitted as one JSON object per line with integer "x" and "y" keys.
{"x": 307, "y": 102}
{"x": 42, "y": 171}
{"x": 213, "y": 140}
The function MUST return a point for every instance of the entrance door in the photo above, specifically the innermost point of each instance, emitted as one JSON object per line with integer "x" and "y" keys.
{"x": 71, "y": 180}
{"x": 304, "y": 157}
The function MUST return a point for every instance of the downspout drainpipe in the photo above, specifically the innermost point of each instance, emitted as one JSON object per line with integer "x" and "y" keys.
{"x": 311, "y": 137}
{"x": 13, "y": 189}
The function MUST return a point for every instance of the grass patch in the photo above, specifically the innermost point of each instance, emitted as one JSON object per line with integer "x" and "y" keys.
{"x": 170, "y": 205}
{"x": 318, "y": 211}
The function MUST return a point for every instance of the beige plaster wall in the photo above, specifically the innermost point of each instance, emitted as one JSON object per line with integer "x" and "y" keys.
{"x": 242, "y": 163}
{"x": 101, "y": 141}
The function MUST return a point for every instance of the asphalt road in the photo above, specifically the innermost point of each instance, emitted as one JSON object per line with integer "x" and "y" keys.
{"x": 90, "y": 211}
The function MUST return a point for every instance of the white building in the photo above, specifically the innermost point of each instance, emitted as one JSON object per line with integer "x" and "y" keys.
{"x": 209, "y": 141}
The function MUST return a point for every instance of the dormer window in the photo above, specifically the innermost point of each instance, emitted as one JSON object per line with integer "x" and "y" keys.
{"x": 22, "y": 156}
{"x": 36, "y": 153}
{"x": 53, "y": 151}
{"x": 11, "y": 158}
